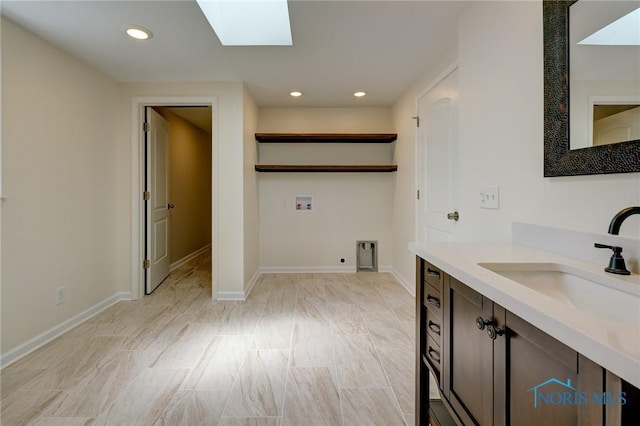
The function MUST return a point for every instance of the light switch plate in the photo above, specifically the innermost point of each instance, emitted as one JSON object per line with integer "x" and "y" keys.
{"x": 490, "y": 197}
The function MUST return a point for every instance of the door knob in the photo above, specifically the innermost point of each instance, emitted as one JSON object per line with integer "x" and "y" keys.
{"x": 170, "y": 206}
{"x": 453, "y": 216}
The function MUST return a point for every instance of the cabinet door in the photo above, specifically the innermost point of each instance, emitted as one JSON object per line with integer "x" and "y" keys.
{"x": 468, "y": 354}
{"x": 541, "y": 381}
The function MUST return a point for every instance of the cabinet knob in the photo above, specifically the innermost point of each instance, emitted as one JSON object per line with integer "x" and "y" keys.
{"x": 494, "y": 332}
{"x": 453, "y": 216}
{"x": 481, "y": 323}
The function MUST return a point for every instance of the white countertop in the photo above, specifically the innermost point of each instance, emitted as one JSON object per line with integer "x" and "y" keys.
{"x": 613, "y": 345}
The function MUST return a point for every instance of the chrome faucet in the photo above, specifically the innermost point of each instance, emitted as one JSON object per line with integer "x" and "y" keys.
{"x": 614, "y": 226}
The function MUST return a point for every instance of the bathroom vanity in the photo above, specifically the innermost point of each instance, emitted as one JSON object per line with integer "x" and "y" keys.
{"x": 515, "y": 335}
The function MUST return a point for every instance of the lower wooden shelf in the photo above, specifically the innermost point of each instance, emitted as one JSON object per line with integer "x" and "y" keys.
{"x": 348, "y": 168}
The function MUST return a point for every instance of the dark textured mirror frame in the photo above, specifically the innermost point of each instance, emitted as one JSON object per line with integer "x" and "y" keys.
{"x": 559, "y": 160}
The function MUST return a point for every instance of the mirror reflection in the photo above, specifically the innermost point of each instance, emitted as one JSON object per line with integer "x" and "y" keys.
{"x": 604, "y": 81}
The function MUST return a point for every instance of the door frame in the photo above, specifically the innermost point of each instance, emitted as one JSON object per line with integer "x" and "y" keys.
{"x": 434, "y": 82}
{"x": 138, "y": 154}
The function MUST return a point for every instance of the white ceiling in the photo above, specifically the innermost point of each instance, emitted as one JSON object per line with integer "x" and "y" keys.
{"x": 339, "y": 47}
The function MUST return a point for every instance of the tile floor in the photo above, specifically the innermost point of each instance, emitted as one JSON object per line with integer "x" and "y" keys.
{"x": 304, "y": 349}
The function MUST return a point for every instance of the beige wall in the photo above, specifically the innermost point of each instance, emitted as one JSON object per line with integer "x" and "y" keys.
{"x": 189, "y": 186}
{"x": 348, "y": 206}
{"x": 501, "y": 139}
{"x": 60, "y": 218}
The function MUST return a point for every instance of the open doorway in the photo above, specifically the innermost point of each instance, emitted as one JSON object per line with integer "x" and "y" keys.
{"x": 173, "y": 193}
{"x": 178, "y": 187}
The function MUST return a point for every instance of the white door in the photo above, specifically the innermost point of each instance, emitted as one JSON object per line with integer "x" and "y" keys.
{"x": 157, "y": 207}
{"x": 437, "y": 155}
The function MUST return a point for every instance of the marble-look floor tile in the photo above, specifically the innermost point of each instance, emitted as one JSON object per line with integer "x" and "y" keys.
{"x": 311, "y": 398}
{"x": 219, "y": 366}
{"x": 311, "y": 309}
{"x": 299, "y": 343}
{"x": 312, "y": 345}
{"x": 274, "y": 332}
{"x": 260, "y": 292}
{"x": 386, "y": 332}
{"x": 282, "y": 297}
{"x": 249, "y": 421}
{"x": 399, "y": 364}
{"x": 242, "y": 319}
{"x": 64, "y": 421}
{"x": 24, "y": 406}
{"x": 102, "y": 386}
{"x": 145, "y": 399}
{"x": 370, "y": 407}
{"x": 12, "y": 379}
{"x": 194, "y": 408}
{"x": 348, "y": 321}
{"x": 79, "y": 364}
{"x": 259, "y": 388}
{"x": 357, "y": 363}
{"x": 187, "y": 347}
{"x": 368, "y": 299}
{"x": 156, "y": 337}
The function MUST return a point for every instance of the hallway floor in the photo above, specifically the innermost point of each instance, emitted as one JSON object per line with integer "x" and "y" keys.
{"x": 304, "y": 349}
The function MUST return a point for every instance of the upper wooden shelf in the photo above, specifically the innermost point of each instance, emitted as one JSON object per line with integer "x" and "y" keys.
{"x": 326, "y": 137}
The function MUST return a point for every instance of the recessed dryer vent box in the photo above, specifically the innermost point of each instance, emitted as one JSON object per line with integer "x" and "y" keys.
{"x": 303, "y": 203}
{"x": 367, "y": 256}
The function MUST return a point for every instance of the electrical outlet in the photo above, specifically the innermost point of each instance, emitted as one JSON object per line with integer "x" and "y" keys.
{"x": 60, "y": 295}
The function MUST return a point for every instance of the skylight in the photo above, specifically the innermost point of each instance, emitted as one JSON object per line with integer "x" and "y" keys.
{"x": 249, "y": 22}
{"x": 624, "y": 31}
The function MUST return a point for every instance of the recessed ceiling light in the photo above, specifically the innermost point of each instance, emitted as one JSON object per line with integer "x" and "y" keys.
{"x": 249, "y": 22}
{"x": 295, "y": 94}
{"x": 359, "y": 94}
{"x": 139, "y": 33}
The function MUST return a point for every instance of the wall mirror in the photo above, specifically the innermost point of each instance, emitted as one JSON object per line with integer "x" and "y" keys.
{"x": 591, "y": 91}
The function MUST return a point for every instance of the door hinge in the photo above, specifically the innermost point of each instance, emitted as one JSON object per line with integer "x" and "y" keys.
{"x": 146, "y": 127}
{"x": 146, "y": 195}
{"x": 418, "y": 194}
{"x": 146, "y": 264}
{"x": 417, "y": 118}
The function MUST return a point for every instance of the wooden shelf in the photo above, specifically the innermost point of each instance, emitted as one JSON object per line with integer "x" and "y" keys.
{"x": 326, "y": 137}
{"x": 293, "y": 168}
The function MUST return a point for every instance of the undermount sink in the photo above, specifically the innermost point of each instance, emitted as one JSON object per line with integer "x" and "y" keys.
{"x": 582, "y": 290}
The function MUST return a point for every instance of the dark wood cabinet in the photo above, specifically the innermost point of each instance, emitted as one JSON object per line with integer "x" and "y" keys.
{"x": 494, "y": 368}
{"x": 468, "y": 377}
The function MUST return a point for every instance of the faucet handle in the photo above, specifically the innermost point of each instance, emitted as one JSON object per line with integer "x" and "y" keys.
{"x": 616, "y": 263}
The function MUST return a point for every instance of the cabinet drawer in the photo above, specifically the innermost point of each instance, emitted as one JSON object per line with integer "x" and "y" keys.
{"x": 433, "y": 300}
{"x": 433, "y": 355}
{"x": 434, "y": 326}
{"x": 433, "y": 275}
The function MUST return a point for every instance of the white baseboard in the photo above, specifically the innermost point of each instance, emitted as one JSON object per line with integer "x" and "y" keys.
{"x": 187, "y": 258}
{"x": 231, "y": 296}
{"x": 306, "y": 269}
{"x": 411, "y": 287}
{"x": 252, "y": 282}
{"x": 31, "y": 345}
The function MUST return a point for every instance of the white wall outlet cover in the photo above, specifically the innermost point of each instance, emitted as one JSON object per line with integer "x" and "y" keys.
{"x": 489, "y": 197}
